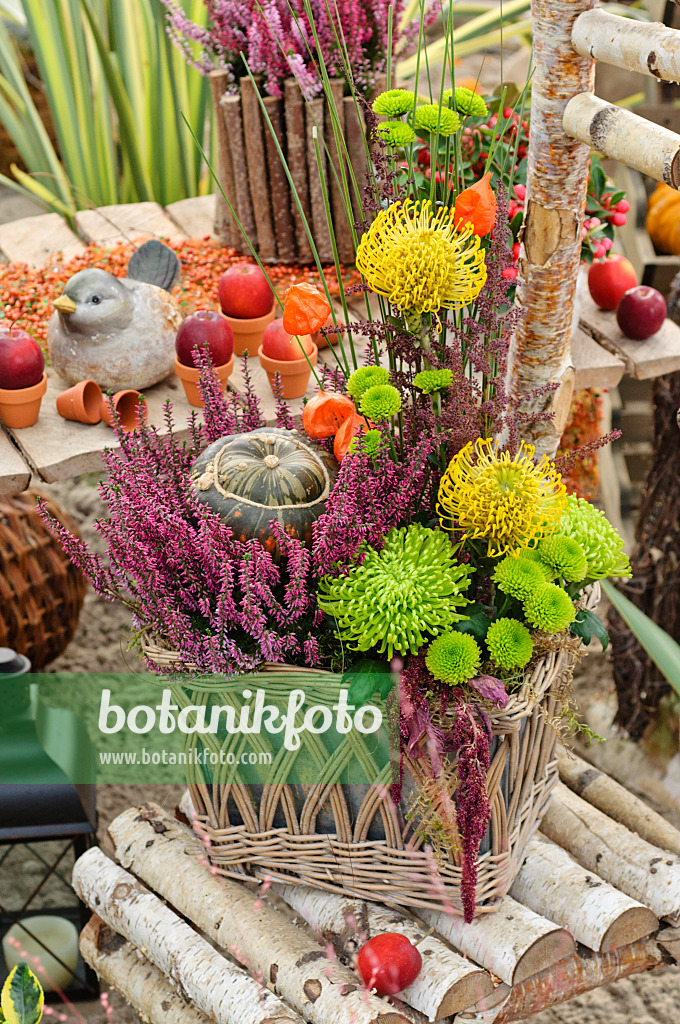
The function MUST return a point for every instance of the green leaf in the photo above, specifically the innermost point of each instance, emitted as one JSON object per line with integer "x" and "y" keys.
{"x": 598, "y": 178}
{"x": 22, "y": 996}
{"x": 662, "y": 648}
{"x": 588, "y": 625}
{"x": 365, "y": 678}
{"x": 476, "y": 625}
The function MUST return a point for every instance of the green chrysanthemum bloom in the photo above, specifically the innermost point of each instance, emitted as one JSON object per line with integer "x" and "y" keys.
{"x": 565, "y": 557}
{"x": 367, "y": 442}
{"x": 364, "y": 378}
{"x": 467, "y": 102}
{"x": 393, "y": 103}
{"x": 430, "y": 381}
{"x": 429, "y": 115}
{"x": 601, "y": 542}
{"x": 401, "y": 595}
{"x": 510, "y": 644}
{"x": 454, "y": 658}
{"x": 520, "y": 575}
{"x": 549, "y": 608}
{"x": 396, "y": 133}
{"x": 380, "y": 402}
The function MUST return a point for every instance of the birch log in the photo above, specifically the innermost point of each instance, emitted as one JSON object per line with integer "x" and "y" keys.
{"x": 622, "y": 135}
{"x": 217, "y": 987}
{"x": 557, "y": 183}
{"x": 142, "y": 985}
{"x": 598, "y": 915}
{"x": 616, "y": 802}
{"x": 513, "y": 942}
{"x": 633, "y": 865}
{"x": 648, "y": 48}
{"x": 447, "y": 983}
{"x": 225, "y": 230}
{"x": 171, "y": 859}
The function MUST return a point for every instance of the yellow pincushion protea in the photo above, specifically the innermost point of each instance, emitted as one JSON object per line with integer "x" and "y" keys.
{"x": 419, "y": 260}
{"x": 509, "y": 501}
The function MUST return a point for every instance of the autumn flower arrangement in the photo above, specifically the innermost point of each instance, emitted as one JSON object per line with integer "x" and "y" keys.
{"x": 441, "y": 558}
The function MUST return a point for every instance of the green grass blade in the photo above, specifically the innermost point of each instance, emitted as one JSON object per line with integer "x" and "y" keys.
{"x": 661, "y": 648}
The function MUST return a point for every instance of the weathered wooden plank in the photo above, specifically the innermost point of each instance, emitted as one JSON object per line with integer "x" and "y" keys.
{"x": 33, "y": 240}
{"x": 60, "y": 448}
{"x": 194, "y": 216}
{"x": 127, "y": 223}
{"x": 15, "y": 474}
{"x": 653, "y": 357}
{"x": 594, "y": 366}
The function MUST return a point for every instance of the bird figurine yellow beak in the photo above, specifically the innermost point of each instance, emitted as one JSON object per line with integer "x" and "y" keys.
{"x": 65, "y": 305}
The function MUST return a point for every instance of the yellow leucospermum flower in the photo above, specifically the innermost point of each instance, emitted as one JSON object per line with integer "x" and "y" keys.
{"x": 509, "y": 501}
{"x": 419, "y": 260}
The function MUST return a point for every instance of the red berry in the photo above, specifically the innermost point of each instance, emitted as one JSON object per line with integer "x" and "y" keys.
{"x": 388, "y": 963}
{"x": 521, "y": 192}
{"x": 623, "y": 206}
{"x": 510, "y": 273}
{"x": 424, "y": 157}
{"x": 607, "y": 202}
{"x": 507, "y": 112}
{"x": 600, "y": 250}
{"x": 515, "y": 251}
{"x": 521, "y": 151}
{"x": 619, "y": 219}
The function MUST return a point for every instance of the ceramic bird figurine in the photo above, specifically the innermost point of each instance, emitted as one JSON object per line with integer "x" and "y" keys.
{"x": 119, "y": 332}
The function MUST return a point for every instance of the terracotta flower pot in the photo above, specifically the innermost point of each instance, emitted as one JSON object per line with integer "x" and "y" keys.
{"x": 248, "y": 333}
{"x": 294, "y": 372}
{"x": 82, "y": 402}
{"x": 127, "y": 405}
{"x": 20, "y": 407}
{"x": 321, "y": 341}
{"x": 189, "y": 376}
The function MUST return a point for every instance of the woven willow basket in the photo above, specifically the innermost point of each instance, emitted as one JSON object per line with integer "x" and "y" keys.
{"x": 352, "y": 839}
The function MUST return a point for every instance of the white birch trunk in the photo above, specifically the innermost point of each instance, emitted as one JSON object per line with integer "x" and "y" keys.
{"x": 447, "y": 983}
{"x": 616, "y": 802}
{"x": 513, "y": 943}
{"x": 141, "y": 984}
{"x": 217, "y": 987}
{"x": 172, "y": 861}
{"x": 557, "y": 183}
{"x": 597, "y": 914}
{"x": 648, "y": 48}
{"x": 633, "y": 865}
{"x": 622, "y": 135}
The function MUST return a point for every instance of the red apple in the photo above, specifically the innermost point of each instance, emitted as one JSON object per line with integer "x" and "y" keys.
{"x": 641, "y": 312}
{"x": 21, "y": 359}
{"x": 279, "y": 344}
{"x": 389, "y": 963}
{"x": 608, "y": 279}
{"x": 244, "y": 292}
{"x": 205, "y": 325}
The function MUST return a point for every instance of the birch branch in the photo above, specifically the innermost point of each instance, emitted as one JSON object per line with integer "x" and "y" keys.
{"x": 597, "y": 914}
{"x": 141, "y": 984}
{"x": 633, "y": 865}
{"x": 622, "y": 135}
{"x": 446, "y": 984}
{"x": 217, "y": 987}
{"x": 648, "y": 48}
{"x": 171, "y": 859}
{"x": 513, "y": 943}
{"x": 616, "y": 802}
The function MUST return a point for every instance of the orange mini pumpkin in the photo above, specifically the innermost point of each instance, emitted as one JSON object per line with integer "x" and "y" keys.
{"x": 324, "y": 414}
{"x": 305, "y": 309}
{"x": 348, "y": 430}
{"x": 476, "y": 205}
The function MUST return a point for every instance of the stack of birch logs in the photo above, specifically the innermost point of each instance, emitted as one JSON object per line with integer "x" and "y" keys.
{"x": 597, "y": 899}
{"x": 254, "y": 179}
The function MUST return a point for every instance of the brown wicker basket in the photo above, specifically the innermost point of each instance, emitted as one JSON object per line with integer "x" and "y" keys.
{"x": 41, "y": 591}
{"x": 353, "y": 839}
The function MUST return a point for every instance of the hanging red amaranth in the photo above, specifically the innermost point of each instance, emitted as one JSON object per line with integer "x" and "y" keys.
{"x": 305, "y": 309}
{"x": 476, "y": 205}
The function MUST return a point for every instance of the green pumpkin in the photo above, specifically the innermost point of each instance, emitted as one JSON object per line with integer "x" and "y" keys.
{"x": 250, "y": 479}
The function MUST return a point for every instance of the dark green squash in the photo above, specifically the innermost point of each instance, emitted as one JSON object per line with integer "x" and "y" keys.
{"x": 250, "y": 479}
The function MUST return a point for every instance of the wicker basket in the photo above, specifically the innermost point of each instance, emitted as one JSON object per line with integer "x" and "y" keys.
{"x": 41, "y": 591}
{"x": 353, "y": 839}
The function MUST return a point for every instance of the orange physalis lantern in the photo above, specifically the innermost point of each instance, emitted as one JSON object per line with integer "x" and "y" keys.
{"x": 348, "y": 430}
{"x": 325, "y": 413}
{"x": 305, "y": 309}
{"x": 476, "y": 205}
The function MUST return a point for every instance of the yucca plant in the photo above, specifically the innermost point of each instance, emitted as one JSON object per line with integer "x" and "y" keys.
{"x": 117, "y": 91}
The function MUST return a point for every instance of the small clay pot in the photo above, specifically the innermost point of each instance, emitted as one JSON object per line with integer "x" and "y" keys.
{"x": 323, "y": 341}
{"x": 295, "y": 373}
{"x": 248, "y": 334}
{"x": 82, "y": 402}
{"x": 20, "y": 407}
{"x": 127, "y": 405}
{"x": 189, "y": 376}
